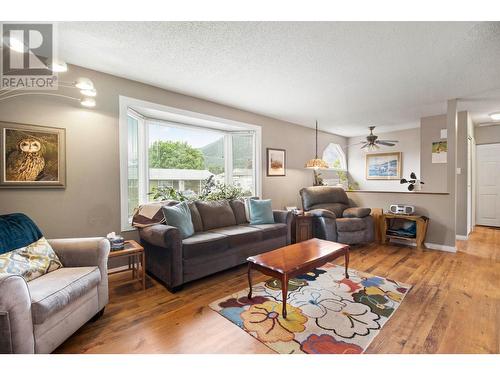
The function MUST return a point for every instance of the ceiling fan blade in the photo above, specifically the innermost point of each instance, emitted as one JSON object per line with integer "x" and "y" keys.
{"x": 388, "y": 140}
{"x": 365, "y": 145}
{"x": 384, "y": 143}
{"x": 356, "y": 144}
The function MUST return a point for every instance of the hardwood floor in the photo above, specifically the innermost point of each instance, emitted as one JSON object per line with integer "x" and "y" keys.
{"x": 453, "y": 307}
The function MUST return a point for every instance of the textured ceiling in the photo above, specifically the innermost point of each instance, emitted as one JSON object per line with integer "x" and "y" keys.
{"x": 348, "y": 75}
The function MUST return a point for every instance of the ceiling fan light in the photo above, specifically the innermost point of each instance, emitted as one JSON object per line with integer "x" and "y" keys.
{"x": 91, "y": 93}
{"x": 495, "y": 116}
{"x": 58, "y": 67}
{"x": 88, "y": 102}
{"x": 84, "y": 84}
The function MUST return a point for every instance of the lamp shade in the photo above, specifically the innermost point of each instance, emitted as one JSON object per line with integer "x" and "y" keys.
{"x": 316, "y": 164}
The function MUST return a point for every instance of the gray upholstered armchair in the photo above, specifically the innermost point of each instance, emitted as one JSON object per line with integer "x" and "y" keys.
{"x": 334, "y": 217}
{"x": 39, "y": 315}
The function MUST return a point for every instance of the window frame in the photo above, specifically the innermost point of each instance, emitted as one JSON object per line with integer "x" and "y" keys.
{"x": 127, "y": 108}
{"x": 342, "y": 156}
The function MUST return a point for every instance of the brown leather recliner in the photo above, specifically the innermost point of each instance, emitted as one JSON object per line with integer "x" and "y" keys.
{"x": 335, "y": 219}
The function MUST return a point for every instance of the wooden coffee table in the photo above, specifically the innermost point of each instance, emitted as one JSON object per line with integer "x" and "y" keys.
{"x": 294, "y": 260}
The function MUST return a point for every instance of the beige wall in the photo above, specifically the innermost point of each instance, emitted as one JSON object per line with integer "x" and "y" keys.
{"x": 440, "y": 231}
{"x": 409, "y": 145}
{"x": 434, "y": 175}
{"x": 90, "y": 205}
{"x": 487, "y": 134}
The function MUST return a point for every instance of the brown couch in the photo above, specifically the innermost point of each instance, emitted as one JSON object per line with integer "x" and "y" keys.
{"x": 223, "y": 239}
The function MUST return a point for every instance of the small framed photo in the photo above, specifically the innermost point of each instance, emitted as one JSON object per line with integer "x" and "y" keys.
{"x": 276, "y": 162}
{"x": 383, "y": 166}
{"x": 32, "y": 156}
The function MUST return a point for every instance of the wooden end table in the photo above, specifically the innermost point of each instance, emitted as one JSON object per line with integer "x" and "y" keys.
{"x": 136, "y": 260}
{"x": 293, "y": 260}
{"x": 302, "y": 227}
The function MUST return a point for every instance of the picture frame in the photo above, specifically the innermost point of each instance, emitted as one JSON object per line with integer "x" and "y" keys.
{"x": 32, "y": 156}
{"x": 383, "y": 166}
{"x": 276, "y": 162}
{"x": 439, "y": 152}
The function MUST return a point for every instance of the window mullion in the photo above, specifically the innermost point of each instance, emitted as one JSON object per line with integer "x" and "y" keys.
{"x": 228, "y": 158}
{"x": 143, "y": 160}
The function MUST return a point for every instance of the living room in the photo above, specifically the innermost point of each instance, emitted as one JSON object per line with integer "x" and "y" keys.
{"x": 282, "y": 187}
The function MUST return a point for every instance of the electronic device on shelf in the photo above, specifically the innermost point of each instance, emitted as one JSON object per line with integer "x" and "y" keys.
{"x": 401, "y": 209}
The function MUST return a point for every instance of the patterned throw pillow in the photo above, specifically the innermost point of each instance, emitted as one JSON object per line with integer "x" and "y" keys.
{"x": 30, "y": 262}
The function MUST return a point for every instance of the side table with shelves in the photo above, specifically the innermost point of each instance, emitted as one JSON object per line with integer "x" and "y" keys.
{"x": 136, "y": 262}
{"x": 421, "y": 225}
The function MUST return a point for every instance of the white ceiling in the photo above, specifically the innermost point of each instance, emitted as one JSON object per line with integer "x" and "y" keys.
{"x": 348, "y": 75}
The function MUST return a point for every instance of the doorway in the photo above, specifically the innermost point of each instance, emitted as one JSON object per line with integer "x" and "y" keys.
{"x": 488, "y": 184}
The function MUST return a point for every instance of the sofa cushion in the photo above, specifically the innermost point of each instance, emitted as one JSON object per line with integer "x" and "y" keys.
{"x": 238, "y": 207}
{"x": 357, "y": 212}
{"x": 240, "y": 234}
{"x": 272, "y": 230}
{"x": 216, "y": 214}
{"x": 204, "y": 243}
{"x": 336, "y": 208}
{"x": 350, "y": 224}
{"x": 195, "y": 217}
{"x": 52, "y": 292}
{"x": 179, "y": 216}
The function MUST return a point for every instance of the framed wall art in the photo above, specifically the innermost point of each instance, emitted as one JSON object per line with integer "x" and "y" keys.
{"x": 276, "y": 162}
{"x": 383, "y": 166}
{"x": 32, "y": 156}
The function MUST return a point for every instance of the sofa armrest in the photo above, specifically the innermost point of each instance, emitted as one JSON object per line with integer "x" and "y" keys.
{"x": 359, "y": 212}
{"x": 284, "y": 217}
{"x": 85, "y": 252}
{"x": 163, "y": 246}
{"x": 16, "y": 325}
{"x": 161, "y": 235}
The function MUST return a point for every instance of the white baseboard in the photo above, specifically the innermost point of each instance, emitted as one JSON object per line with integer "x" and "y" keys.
{"x": 435, "y": 246}
{"x": 461, "y": 237}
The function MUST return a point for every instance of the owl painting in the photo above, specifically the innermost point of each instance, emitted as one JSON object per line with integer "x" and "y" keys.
{"x": 32, "y": 156}
{"x": 27, "y": 162}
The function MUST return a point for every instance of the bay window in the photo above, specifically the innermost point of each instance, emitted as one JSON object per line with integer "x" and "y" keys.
{"x": 183, "y": 156}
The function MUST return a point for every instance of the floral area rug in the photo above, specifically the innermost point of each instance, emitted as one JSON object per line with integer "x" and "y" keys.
{"x": 326, "y": 313}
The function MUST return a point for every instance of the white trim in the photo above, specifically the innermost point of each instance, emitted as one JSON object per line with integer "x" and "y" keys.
{"x": 434, "y": 246}
{"x": 123, "y": 146}
{"x": 461, "y": 237}
{"x": 429, "y": 245}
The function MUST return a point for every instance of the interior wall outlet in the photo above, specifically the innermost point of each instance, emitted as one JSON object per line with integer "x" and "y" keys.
{"x": 459, "y": 170}
{"x": 444, "y": 133}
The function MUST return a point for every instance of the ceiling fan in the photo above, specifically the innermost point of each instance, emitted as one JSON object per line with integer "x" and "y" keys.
{"x": 372, "y": 142}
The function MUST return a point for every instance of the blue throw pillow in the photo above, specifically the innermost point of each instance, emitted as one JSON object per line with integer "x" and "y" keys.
{"x": 179, "y": 216}
{"x": 261, "y": 211}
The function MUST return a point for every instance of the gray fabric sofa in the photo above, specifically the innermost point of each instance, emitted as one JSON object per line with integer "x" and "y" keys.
{"x": 335, "y": 218}
{"x": 223, "y": 239}
{"x": 38, "y": 316}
